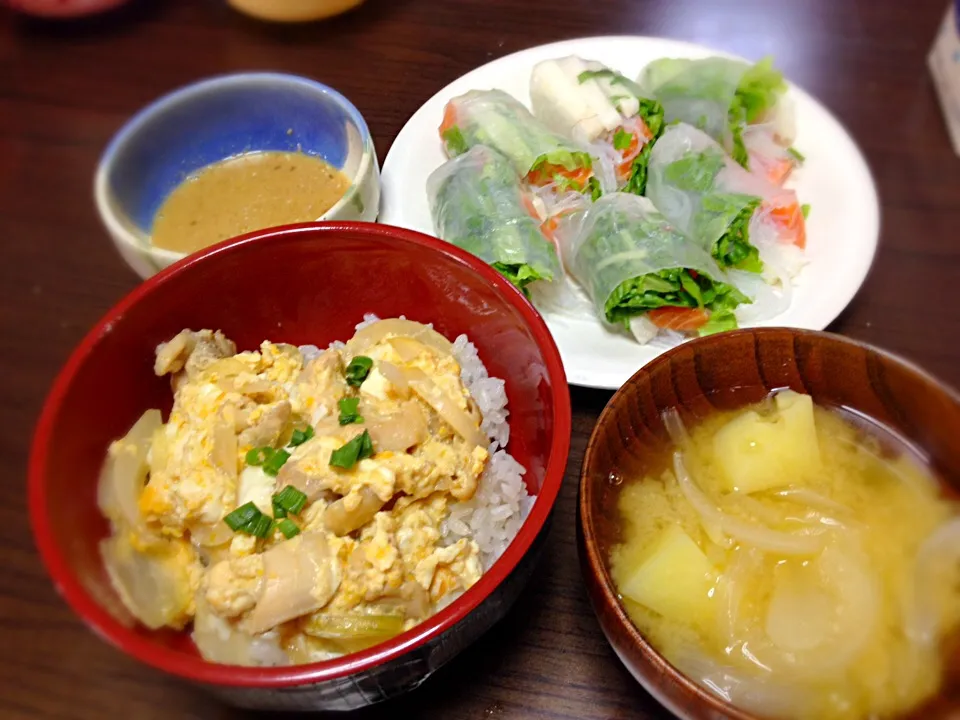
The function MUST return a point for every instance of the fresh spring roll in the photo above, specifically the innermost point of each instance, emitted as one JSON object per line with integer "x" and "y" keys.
{"x": 731, "y": 213}
{"x": 541, "y": 157}
{"x": 599, "y": 108}
{"x": 642, "y": 273}
{"x": 477, "y": 204}
{"x": 744, "y": 107}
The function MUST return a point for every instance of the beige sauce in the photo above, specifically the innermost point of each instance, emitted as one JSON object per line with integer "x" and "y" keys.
{"x": 246, "y": 193}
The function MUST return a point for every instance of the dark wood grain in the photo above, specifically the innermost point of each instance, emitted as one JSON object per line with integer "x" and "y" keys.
{"x": 65, "y": 89}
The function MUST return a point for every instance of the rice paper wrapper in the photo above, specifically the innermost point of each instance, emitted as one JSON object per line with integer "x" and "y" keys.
{"x": 500, "y": 121}
{"x": 700, "y": 189}
{"x": 621, "y": 237}
{"x": 477, "y": 204}
{"x": 697, "y": 92}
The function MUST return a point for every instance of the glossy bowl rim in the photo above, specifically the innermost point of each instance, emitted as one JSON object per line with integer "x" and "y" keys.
{"x": 599, "y": 575}
{"x": 197, "y": 669}
{"x": 134, "y": 125}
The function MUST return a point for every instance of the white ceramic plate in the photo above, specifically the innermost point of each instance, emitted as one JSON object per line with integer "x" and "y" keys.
{"x": 842, "y": 230}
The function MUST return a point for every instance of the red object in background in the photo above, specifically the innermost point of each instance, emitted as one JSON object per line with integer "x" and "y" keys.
{"x": 62, "y": 8}
{"x": 302, "y": 284}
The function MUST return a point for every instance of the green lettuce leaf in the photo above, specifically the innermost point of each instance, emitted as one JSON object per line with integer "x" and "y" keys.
{"x": 695, "y": 172}
{"x": 520, "y": 275}
{"x": 671, "y": 288}
{"x": 454, "y": 140}
{"x": 652, "y": 114}
{"x": 733, "y": 248}
{"x": 760, "y": 89}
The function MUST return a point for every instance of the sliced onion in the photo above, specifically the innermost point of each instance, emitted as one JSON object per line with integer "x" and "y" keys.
{"x": 125, "y": 470}
{"x": 407, "y": 348}
{"x": 715, "y": 521}
{"x": 397, "y": 432}
{"x": 375, "y": 332}
{"x": 225, "y": 447}
{"x": 353, "y": 626}
{"x": 939, "y": 552}
{"x": 806, "y": 496}
{"x": 446, "y": 407}
{"x": 340, "y": 519}
{"x": 300, "y": 576}
{"x": 675, "y": 428}
{"x": 395, "y": 377}
{"x": 149, "y": 585}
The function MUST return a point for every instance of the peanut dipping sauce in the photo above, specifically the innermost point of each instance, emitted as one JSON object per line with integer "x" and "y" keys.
{"x": 245, "y": 193}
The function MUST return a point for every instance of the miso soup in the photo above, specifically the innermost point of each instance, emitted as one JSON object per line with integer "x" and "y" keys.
{"x": 793, "y": 562}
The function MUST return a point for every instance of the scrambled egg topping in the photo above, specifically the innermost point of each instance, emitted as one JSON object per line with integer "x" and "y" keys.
{"x": 292, "y": 507}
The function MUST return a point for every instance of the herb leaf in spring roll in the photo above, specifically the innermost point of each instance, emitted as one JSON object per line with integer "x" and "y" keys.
{"x": 477, "y": 204}
{"x": 538, "y": 155}
{"x": 635, "y": 265}
{"x": 728, "y": 211}
{"x": 601, "y": 109}
{"x": 741, "y": 106}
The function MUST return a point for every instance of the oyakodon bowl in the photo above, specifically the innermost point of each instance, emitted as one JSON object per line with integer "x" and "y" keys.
{"x": 725, "y": 372}
{"x": 304, "y": 284}
{"x": 219, "y": 118}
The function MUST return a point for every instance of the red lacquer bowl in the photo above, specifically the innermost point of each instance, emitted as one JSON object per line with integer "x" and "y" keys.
{"x": 302, "y": 284}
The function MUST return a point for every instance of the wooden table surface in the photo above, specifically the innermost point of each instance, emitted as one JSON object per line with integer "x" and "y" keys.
{"x": 66, "y": 88}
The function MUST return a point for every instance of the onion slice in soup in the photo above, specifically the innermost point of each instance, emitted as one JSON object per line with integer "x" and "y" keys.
{"x": 714, "y": 519}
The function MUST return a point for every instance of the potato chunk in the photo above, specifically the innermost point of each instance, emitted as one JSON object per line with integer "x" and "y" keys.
{"x": 756, "y": 453}
{"x": 674, "y": 580}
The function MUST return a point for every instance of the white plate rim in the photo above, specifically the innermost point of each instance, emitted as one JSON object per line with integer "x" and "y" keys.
{"x": 585, "y": 377}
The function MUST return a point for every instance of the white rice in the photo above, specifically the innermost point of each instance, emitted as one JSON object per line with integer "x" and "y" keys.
{"x": 493, "y": 516}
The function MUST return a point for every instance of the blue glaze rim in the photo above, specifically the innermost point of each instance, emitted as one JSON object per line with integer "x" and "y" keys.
{"x": 134, "y": 236}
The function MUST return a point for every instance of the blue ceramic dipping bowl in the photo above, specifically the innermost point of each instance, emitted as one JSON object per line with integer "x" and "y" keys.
{"x": 218, "y": 118}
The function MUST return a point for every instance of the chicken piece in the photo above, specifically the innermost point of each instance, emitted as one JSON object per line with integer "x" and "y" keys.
{"x": 319, "y": 387}
{"x": 192, "y": 351}
{"x": 352, "y": 511}
{"x": 233, "y": 586}
{"x": 267, "y": 424}
{"x": 299, "y": 576}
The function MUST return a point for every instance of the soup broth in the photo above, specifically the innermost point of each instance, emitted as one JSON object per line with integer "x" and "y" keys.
{"x": 793, "y": 562}
{"x": 246, "y": 193}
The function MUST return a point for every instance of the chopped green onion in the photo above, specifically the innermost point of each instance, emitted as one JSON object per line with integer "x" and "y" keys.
{"x": 258, "y": 456}
{"x": 358, "y": 369}
{"x": 805, "y": 209}
{"x": 357, "y": 449}
{"x": 290, "y": 500}
{"x": 288, "y": 528}
{"x": 299, "y": 437}
{"x": 348, "y": 411}
{"x": 248, "y": 519}
{"x": 260, "y": 527}
{"x": 242, "y": 516}
{"x": 275, "y": 462}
